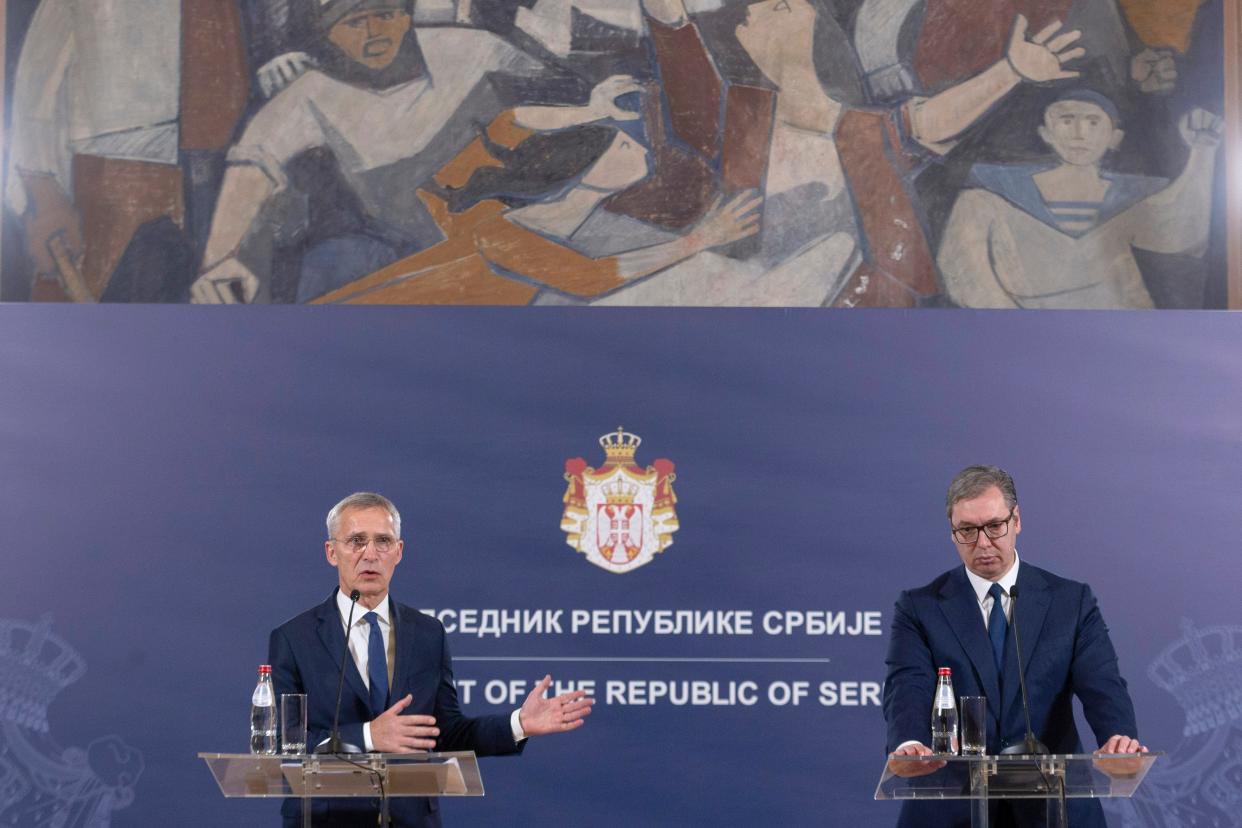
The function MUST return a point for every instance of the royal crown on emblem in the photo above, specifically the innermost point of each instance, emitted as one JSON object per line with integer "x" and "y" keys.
{"x": 35, "y": 666}
{"x": 1203, "y": 671}
{"x": 620, "y": 493}
{"x": 620, "y": 445}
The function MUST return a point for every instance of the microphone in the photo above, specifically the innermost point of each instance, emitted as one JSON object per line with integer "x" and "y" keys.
{"x": 1031, "y": 746}
{"x": 333, "y": 743}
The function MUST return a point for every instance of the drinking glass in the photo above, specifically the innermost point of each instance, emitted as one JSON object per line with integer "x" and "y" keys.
{"x": 293, "y": 723}
{"x": 974, "y": 725}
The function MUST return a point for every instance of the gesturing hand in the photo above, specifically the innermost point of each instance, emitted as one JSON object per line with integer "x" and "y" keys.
{"x": 394, "y": 733}
{"x": 225, "y": 284}
{"x": 1154, "y": 70}
{"x": 1040, "y": 59}
{"x": 540, "y": 715}
{"x": 728, "y": 221}
{"x": 603, "y": 103}
{"x": 1200, "y": 128}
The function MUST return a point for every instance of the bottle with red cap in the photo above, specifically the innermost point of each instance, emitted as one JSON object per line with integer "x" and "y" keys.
{"x": 263, "y": 713}
{"x": 944, "y": 714}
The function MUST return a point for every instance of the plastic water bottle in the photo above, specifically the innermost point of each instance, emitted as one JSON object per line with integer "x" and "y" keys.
{"x": 944, "y": 714}
{"x": 263, "y": 714}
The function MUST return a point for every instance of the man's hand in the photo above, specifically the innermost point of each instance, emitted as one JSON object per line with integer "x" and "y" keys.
{"x": 1121, "y": 768}
{"x": 910, "y": 769}
{"x": 727, "y": 221}
{"x": 1154, "y": 70}
{"x": 53, "y": 226}
{"x": 541, "y": 715}
{"x": 394, "y": 733}
{"x": 283, "y": 70}
{"x": 1040, "y": 59}
{"x": 227, "y": 283}
{"x": 1200, "y": 128}
{"x": 603, "y": 103}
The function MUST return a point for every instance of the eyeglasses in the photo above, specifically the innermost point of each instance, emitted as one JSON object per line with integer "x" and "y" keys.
{"x": 994, "y": 530}
{"x": 357, "y": 543}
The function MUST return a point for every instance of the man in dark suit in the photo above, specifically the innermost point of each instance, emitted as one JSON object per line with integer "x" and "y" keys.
{"x": 962, "y": 620}
{"x": 399, "y": 695}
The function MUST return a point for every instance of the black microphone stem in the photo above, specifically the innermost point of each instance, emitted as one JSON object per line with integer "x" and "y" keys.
{"x": 1032, "y": 746}
{"x": 333, "y": 743}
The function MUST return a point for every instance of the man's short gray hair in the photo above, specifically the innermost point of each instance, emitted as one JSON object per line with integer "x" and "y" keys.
{"x": 973, "y": 481}
{"x": 363, "y": 500}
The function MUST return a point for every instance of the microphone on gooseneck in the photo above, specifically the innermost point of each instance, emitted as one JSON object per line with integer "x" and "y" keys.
{"x": 333, "y": 743}
{"x": 1031, "y": 746}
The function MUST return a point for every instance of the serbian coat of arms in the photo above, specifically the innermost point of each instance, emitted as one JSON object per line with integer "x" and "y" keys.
{"x": 619, "y": 515}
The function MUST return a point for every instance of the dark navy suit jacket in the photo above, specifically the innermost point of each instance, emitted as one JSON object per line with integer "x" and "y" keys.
{"x": 1066, "y": 652}
{"x": 305, "y": 654}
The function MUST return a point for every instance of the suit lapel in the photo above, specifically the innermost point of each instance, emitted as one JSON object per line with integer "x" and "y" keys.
{"x": 332, "y": 634}
{"x": 961, "y": 608}
{"x": 1032, "y": 608}
{"x": 402, "y": 630}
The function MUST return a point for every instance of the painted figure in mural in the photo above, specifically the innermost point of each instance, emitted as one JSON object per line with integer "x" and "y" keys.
{"x": 520, "y": 213}
{"x": 401, "y": 699}
{"x": 284, "y": 34}
{"x": 1061, "y": 235}
{"x": 958, "y": 38}
{"x": 961, "y": 620}
{"x": 112, "y": 103}
{"x": 837, "y": 178}
{"x": 383, "y": 110}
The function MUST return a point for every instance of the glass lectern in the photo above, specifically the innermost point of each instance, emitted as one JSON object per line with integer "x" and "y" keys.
{"x": 309, "y": 776}
{"x": 982, "y": 778}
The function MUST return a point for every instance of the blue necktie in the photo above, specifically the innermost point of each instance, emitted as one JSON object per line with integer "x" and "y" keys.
{"x": 998, "y": 625}
{"x": 377, "y": 666}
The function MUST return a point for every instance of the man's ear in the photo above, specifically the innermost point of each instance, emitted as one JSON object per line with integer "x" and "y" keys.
{"x": 1044, "y": 135}
{"x": 1118, "y": 135}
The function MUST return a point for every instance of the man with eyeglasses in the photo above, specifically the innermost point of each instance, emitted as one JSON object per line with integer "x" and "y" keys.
{"x": 963, "y": 619}
{"x": 400, "y": 698}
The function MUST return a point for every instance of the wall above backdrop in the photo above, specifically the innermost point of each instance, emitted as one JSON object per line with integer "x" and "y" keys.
{"x": 834, "y": 153}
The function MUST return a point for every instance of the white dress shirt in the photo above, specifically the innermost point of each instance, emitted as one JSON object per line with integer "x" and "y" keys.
{"x": 359, "y": 647}
{"x": 982, "y": 587}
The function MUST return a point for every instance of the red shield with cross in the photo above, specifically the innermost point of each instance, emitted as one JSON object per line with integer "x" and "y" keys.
{"x": 619, "y": 530}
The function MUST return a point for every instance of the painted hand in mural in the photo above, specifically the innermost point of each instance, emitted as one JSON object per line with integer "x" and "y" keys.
{"x": 1201, "y": 129}
{"x": 603, "y": 103}
{"x": 1041, "y": 58}
{"x": 541, "y": 715}
{"x": 727, "y": 221}
{"x": 53, "y": 230}
{"x": 283, "y": 70}
{"x": 227, "y": 283}
{"x": 1154, "y": 70}
{"x": 394, "y": 733}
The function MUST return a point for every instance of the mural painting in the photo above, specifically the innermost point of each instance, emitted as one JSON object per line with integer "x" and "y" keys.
{"x": 841, "y": 153}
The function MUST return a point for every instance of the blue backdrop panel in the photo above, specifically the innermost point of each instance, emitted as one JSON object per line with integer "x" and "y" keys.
{"x": 166, "y": 472}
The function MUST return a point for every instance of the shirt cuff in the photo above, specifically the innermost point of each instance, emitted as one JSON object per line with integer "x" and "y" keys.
{"x": 515, "y": 722}
{"x": 367, "y": 745}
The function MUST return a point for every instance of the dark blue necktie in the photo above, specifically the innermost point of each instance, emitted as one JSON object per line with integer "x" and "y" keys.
{"x": 998, "y": 625}
{"x": 377, "y": 666}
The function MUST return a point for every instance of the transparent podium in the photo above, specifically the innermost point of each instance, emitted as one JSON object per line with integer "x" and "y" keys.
{"x": 1054, "y": 778}
{"x": 310, "y": 776}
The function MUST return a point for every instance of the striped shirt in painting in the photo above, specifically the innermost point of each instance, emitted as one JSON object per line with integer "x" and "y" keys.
{"x": 1075, "y": 217}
